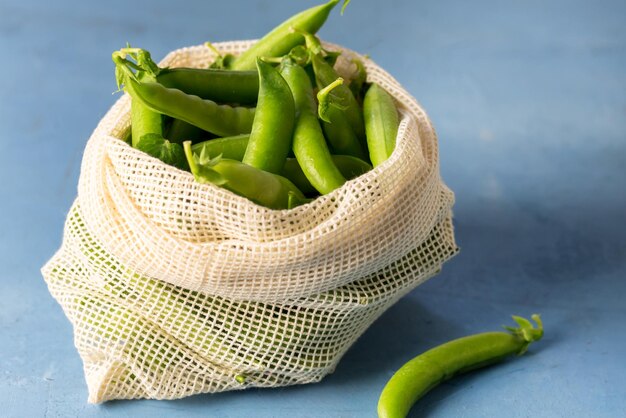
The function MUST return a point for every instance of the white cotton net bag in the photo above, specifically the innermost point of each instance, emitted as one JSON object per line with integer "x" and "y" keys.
{"x": 176, "y": 288}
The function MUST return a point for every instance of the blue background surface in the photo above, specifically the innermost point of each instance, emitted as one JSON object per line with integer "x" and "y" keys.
{"x": 529, "y": 100}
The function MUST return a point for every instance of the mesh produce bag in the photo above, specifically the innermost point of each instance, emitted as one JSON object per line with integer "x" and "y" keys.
{"x": 176, "y": 288}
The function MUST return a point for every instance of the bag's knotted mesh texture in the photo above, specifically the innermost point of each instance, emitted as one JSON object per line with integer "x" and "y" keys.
{"x": 176, "y": 288}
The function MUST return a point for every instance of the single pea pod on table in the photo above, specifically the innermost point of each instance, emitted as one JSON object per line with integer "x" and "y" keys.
{"x": 420, "y": 375}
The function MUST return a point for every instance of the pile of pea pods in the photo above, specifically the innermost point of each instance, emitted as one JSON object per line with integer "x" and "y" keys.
{"x": 276, "y": 124}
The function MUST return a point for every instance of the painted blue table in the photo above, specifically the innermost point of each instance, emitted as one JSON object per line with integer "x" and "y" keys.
{"x": 529, "y": 99}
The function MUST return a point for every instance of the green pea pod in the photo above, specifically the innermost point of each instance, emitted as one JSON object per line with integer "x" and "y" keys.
{"x": 349, "y": 166}
{"x": 325, "y": 74}
{"x": 266, "y": 189}
{"x": 230, "y": 147}
{"x": 223, "y": 86}
{"x": 219, "y": 85}
{"x": 427, "y": 370}
{"x": 143, "y": 120}
{"x": 180, "y": 131}
{"x": 309, "y": 144}
{"x": 282, "y": 38}
{"x": 222, "y": 120}
{"x": 234, "y": 147}
{"x": 381, "y": 123}
{"x": 272, "y": 129}
{"x": 339, "y": 133}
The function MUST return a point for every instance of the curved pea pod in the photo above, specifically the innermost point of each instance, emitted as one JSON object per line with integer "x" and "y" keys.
{"x": 309, "y": 144}
{"x": 282, "y": 38}
{"x": 224, "y": 86}
{"x": 143, "y": 121}
{"x": 424, "y": 372}
{"x": 266, "y": 189}
{"x": 381, "y": 123}
{"x": 222, "y": 120}
{"x": 340, "y": 135}
{"x": 349, "y": 166}
{"x": 272, "y": 129}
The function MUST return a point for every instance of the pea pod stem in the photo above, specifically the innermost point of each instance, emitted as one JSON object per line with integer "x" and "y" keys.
{"x": 424, "y": 372}
{"x": 324, "y": 101}
{"x": 221, "y": 61}
{"x": 358, "y": 79}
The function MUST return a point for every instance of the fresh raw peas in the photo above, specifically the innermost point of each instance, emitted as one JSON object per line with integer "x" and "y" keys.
{"x": 171, "y": 106}
{"x": 179, "y": 131}
{"x": 251, "y": 159}
{"x": 342, "y": 116}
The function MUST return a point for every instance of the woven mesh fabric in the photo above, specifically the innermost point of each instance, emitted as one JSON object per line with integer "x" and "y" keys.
{"x": 176, "y": 288}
